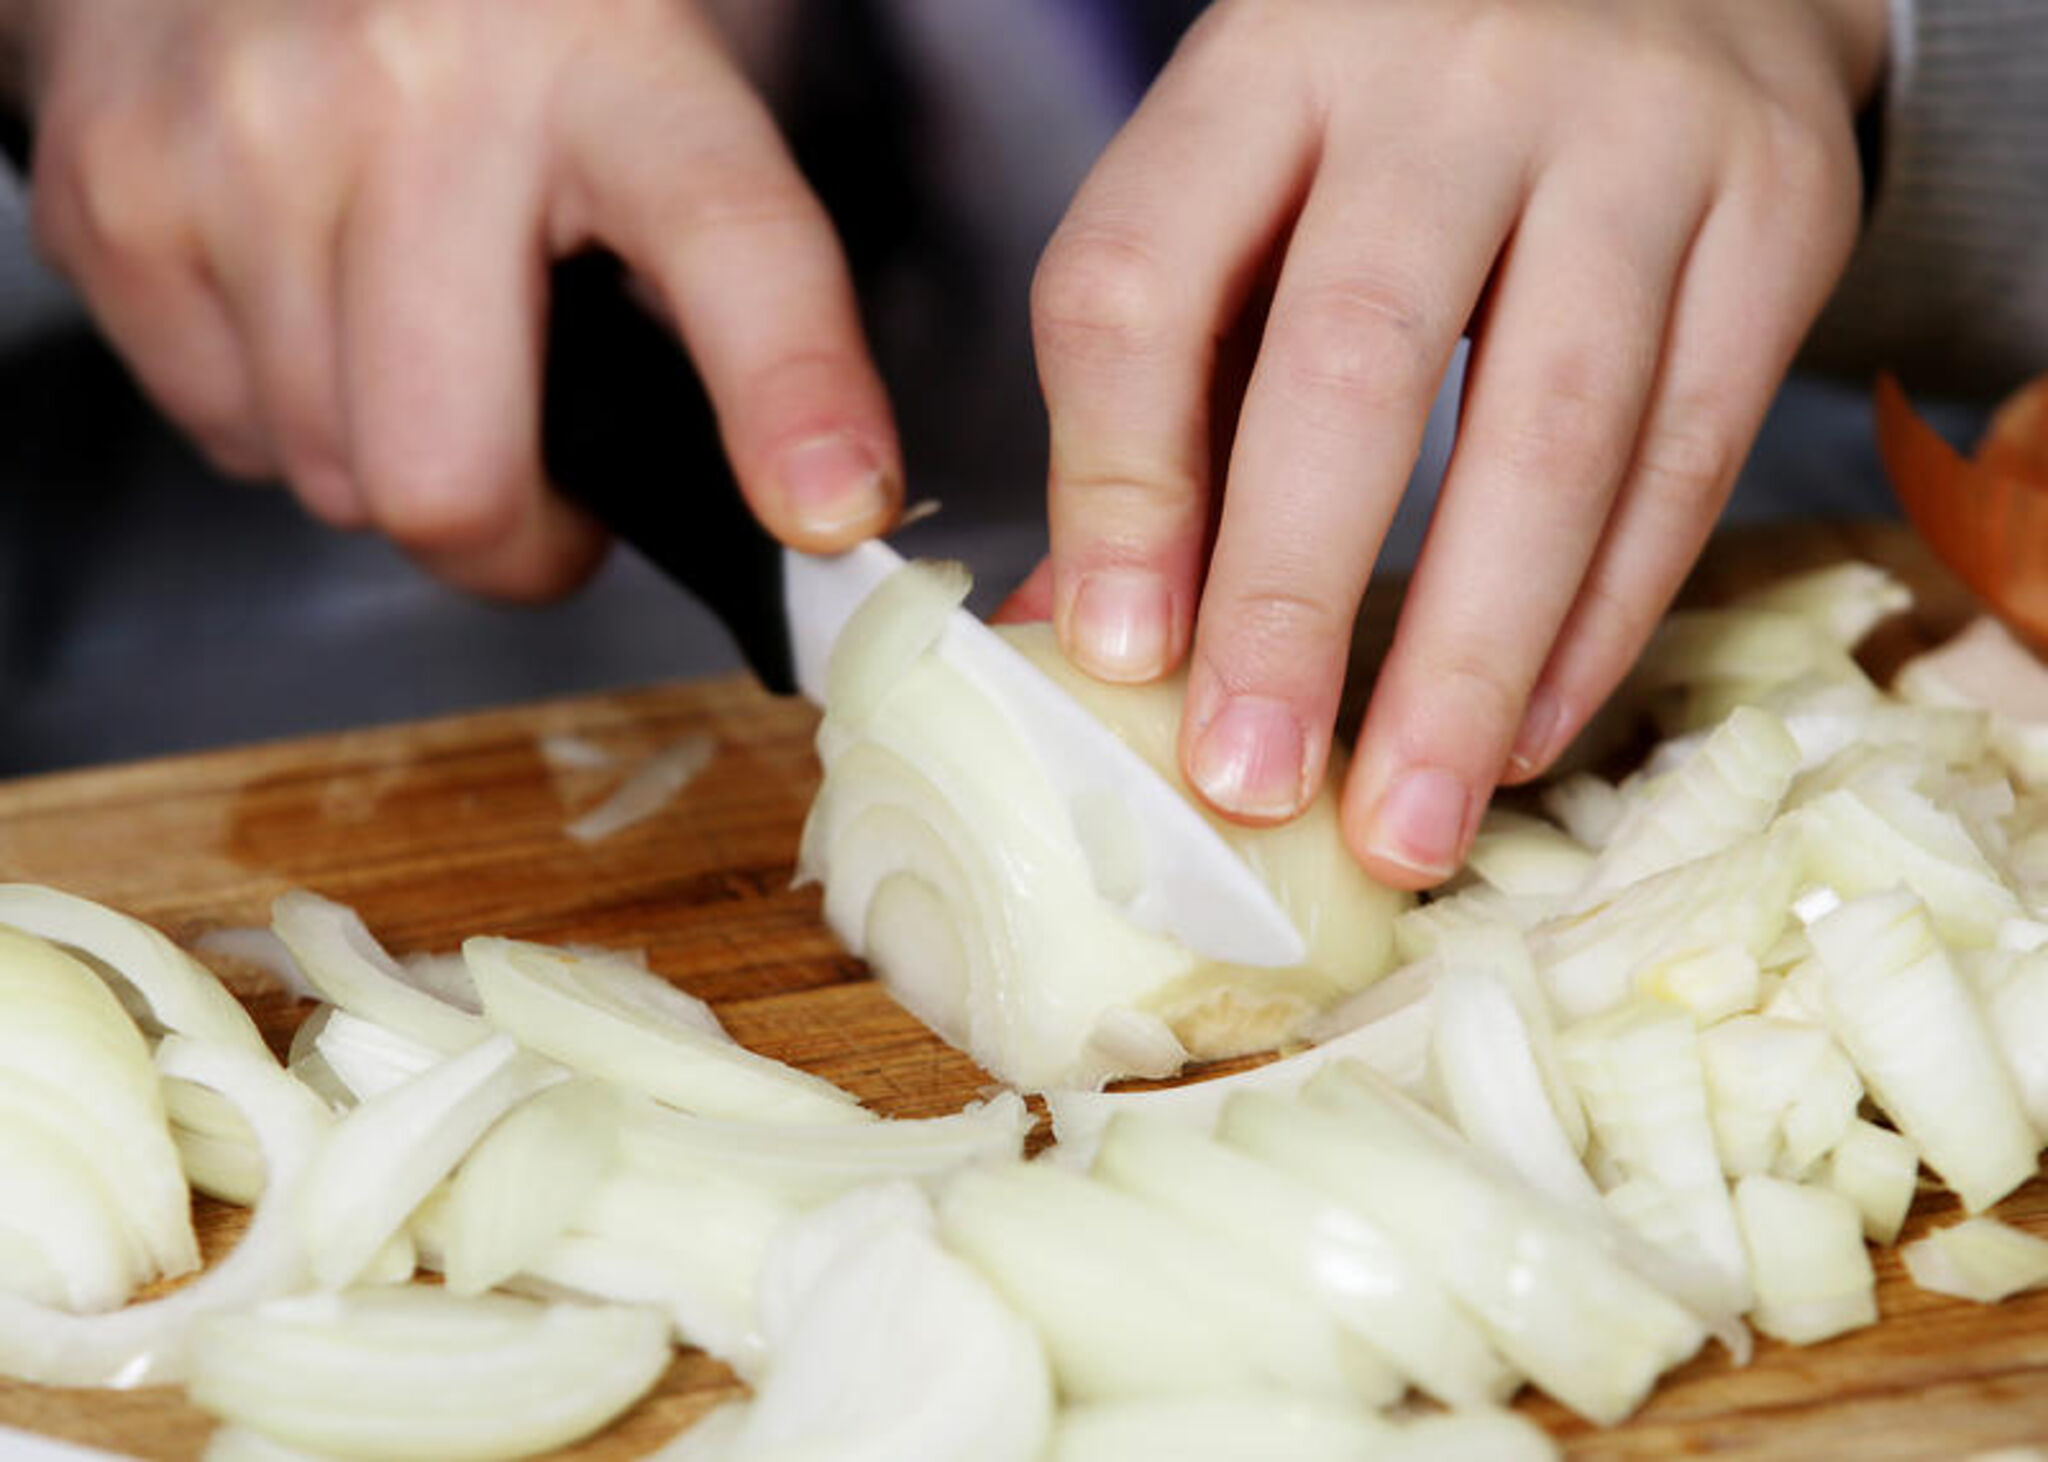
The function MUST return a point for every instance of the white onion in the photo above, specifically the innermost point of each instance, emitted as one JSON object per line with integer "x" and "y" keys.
{"x": 387, "y": 1154}
{"x": 417, "y": 1372}
{"x": 647, "y": 790}
{"x": 144, "y": 1344}
{"x": 609, "y": 1020}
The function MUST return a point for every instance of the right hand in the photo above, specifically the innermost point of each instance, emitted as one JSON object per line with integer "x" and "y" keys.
{"x": 319, "y": 233}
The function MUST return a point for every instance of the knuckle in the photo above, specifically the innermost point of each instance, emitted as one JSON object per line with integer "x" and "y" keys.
{"x": 1099, "y": 292}
{"x": 442, "y": 508}
{"x": 110, "y": 206}
{"x": 1685, "y": 459}
{"x": 1129, "y": 509}
{"x": 1280, "y": 624}
{"x": 1364, "y": 341}
{"x": 1569, "y": 442}
{"x": 1477, "y": 689}
{"x": 409, "y": 51}
{"x": 734, "y": 203}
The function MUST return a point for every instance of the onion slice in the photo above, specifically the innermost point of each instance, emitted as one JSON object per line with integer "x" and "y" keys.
{"x": 145, "y": 1344}
{"x": 386, "y": 1155}
{"x": 418, "y": 1372}
{"x": 182, "y": 995}
{"x": 577, "y": 1011}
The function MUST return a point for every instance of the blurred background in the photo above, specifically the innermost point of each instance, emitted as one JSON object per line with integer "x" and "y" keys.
{"x": 147, "y": 606}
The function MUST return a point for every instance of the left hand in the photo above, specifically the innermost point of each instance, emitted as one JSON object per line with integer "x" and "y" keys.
{"x": 1634, "y": 207}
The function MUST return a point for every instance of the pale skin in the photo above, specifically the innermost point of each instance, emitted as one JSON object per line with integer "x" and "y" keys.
{"x": 320, "y": 231}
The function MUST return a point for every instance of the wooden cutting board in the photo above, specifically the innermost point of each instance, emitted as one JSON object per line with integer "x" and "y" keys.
{"x": 446, "y": 828}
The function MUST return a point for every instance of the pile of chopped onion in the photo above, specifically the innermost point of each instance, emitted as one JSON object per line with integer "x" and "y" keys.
{"x": 1656, "y": 1070}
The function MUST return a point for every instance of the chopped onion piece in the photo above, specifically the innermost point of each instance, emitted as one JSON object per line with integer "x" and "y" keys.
{"x": 1639, "y": 1070}
{"x": 387, "y": 1154}
{"x": 806, "y": 1164}
{"x": 1910, "y": 1023}
{"x": 74, "y": 1069}
{"x": 1813, "y": 1276}
{"x": 1392, "y": 1036}
{"x": 145, "y": 1344}
{"x": 1591, "y": 1332}
{"x": 525, "y": 1180}
{"x": 347, "y": 965}
{"x": 1485, "y": 1066}
{"x": 695, "y": 1248}
{"x": 416, "y": 1371}
{"x": 1877, "y": 1170}
{"x": 1981, "y": 1259}
{"x": 1755, "y": 1066}
{"x": 1868, "y": 837}
{"x": 566, "y": 751}
{"x": 649, "y": 788}
{"x": 1520, "y": 854}
{"x": 1301, "y": 1235}
{"x": 216, "y": 1148}
{"x": 1740, "y": 896}
{"x": 1725, "y": 792}
{"x": 582, "y": 1013}
{"x": 367, "y": 1058}
{"x": 884, "y": 1348}
{"x": 182, "y": 995}
{"x": 62, "y": 1215}
{"x": 1130, "y": 1301}
{"x": 260, "y": 948}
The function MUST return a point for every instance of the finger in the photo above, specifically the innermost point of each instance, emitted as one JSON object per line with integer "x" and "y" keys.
{"x": 679, "y": 168}
{"x": 1553, "y": 402}
{"x": 1152, "y": 264}
{"x": 442, "y": 281}
{"x": 1380, "y": 276}
{"x": 285, "y": 308}
{"x": 1751, "y": 289}
{"x": 144, "y": 279}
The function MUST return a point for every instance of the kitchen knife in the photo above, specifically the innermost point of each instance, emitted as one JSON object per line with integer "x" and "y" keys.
{"x": 625, "y": 417}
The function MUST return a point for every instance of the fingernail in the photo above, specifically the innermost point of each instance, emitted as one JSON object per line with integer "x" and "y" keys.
{"x": 1120, "y": 624}
{"x": 1251, "y": 759}
{"x": 1420, "y": 823}
{"x": 833, "y": 482}
{"x": 1541, "y": 722}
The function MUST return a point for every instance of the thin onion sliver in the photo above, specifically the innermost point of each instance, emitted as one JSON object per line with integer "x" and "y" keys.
{"x": 650, "y": 787}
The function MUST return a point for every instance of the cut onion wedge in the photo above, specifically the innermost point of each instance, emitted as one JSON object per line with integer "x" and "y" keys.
{"x": 145, "y": 1344}
{"x": 589, "y": 1016}
{"x": 386, "y": 1155}
{"x": 417, "y": 1372}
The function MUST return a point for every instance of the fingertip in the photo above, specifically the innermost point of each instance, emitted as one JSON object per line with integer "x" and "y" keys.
{"x": 1540, "y": 739}
{"x": 1119, "y": 624}
{"x": 1414, "y": 830}
{"x": 1250, "y": 759}
{"x": 833, "y": 490}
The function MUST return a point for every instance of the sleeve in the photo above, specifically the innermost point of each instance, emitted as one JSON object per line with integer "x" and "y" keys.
{"x": 1949, "y": 285}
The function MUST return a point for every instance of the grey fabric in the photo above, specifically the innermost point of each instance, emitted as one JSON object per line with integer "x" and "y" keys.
{"x": 1949, "y": 285}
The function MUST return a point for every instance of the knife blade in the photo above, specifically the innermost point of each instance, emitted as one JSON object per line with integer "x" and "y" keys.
{"x": 625, "y": 423}
{"x": 1189, "y": 883}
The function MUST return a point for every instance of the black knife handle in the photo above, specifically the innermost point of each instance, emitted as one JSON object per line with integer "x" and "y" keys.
{"x": 628, "y": 432}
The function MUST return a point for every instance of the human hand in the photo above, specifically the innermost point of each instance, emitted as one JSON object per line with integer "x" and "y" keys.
{"x": 320, "y": 235}
{"x": 1636, "y": 206}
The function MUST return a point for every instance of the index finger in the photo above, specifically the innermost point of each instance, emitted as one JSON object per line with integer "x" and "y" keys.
{"x": 677, "y": 165}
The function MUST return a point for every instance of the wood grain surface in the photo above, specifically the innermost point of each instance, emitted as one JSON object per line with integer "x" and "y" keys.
{"x": 442, "y": 829}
